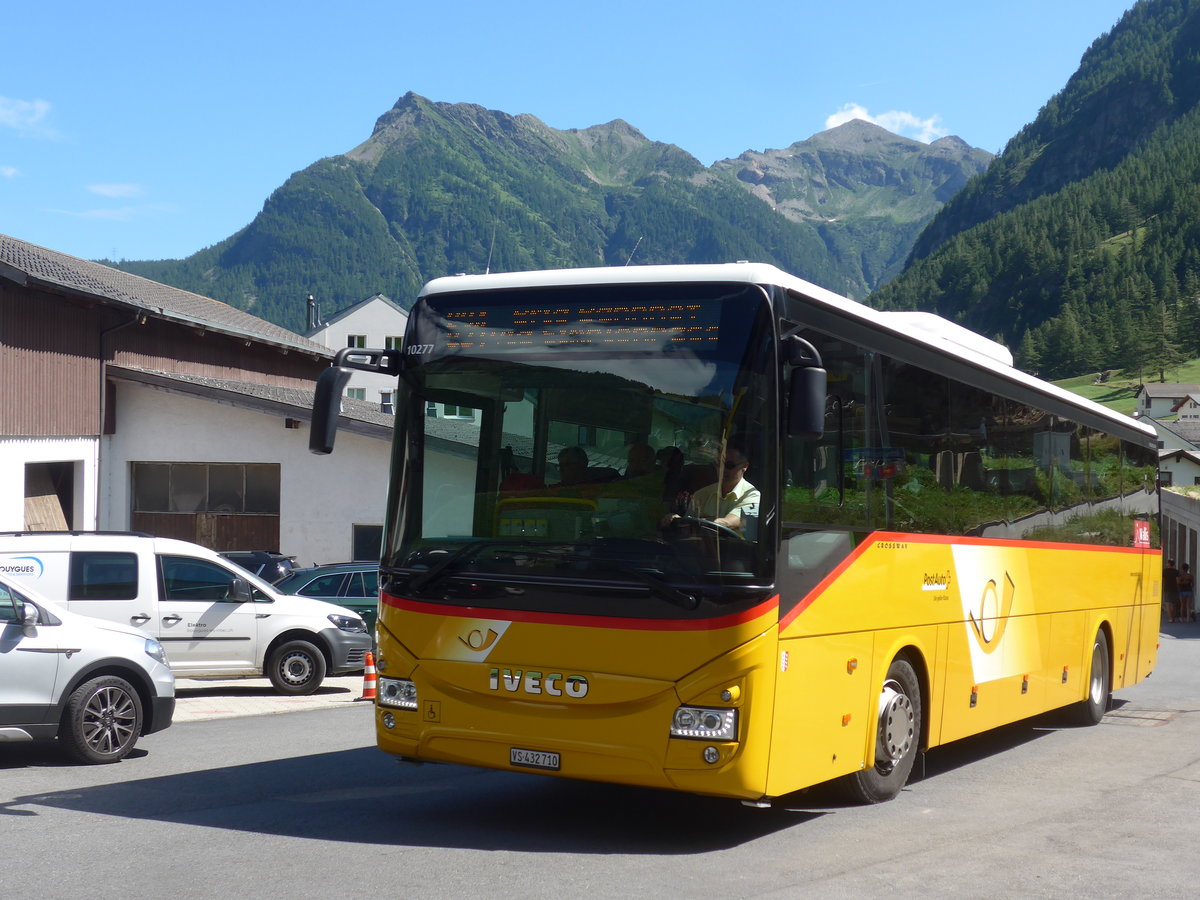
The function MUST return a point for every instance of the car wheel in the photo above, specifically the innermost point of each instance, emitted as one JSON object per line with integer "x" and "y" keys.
{"x": 102, "y": 720}
{"x": 898, "y": 737}
{"x": 296, "y": 667}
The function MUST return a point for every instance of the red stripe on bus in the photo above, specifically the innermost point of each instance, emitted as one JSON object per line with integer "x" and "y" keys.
{"x": 625, "y": 624}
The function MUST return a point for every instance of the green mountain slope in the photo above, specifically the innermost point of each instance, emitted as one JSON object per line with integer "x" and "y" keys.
{"x": 442, "y": 188}
{"x": 1080, "y": 246}
{"x": 868, "y": 192}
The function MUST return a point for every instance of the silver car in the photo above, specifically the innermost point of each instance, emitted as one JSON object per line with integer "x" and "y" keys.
{"x": 95, "y": 685}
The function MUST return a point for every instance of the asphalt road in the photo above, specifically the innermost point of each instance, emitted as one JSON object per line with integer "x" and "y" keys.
{"x": 302, "y": 804}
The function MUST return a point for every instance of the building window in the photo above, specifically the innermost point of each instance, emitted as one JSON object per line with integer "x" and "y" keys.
{"x": 356, "y": 393}
{"x": 387, "y": 400}
{"x": 1164, "y": 479}
{"x": 393, "y": 342}
{"x": 431, "y": 410}
{"x": 457, "y": 412}
{"x": 368, "y": 541}
{"x": 237, "y": 488}
{"x": 357, "y": 341}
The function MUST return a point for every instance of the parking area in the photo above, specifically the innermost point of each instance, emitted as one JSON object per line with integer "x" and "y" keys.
{"x": 198, "y": 699}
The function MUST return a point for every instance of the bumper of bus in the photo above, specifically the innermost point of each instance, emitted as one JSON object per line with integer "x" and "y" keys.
{"x": 681, "y": 766}
{"x": 628, "y": 742}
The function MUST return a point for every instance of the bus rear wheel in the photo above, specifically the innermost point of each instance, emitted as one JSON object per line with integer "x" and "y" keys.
{"x": 898, "y": 737}
{"x": 1093, "y": 707}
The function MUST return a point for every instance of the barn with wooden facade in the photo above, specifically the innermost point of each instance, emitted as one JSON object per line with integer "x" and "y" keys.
{"x": 126, "y": 404}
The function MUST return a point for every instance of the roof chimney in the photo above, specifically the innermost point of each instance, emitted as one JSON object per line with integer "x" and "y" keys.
{"x": 314, "y": 318}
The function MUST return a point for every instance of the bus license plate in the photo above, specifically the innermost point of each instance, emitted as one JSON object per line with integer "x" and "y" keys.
{"x": 533, "y": 759}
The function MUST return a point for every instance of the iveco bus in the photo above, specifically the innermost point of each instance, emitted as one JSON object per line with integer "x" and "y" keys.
{"x": 715, "y": 529}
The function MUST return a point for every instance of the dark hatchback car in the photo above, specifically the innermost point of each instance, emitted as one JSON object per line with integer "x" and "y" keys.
{"x": 352, "y": 585}
{"x": 266, "y": 564}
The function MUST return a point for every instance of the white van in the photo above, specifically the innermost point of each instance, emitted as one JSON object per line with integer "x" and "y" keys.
{"x": 213, "y": 617}
{"x": 96, "y": 686}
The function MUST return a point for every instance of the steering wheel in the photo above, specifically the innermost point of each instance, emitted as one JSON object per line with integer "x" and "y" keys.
{"x": 710, "y": 524}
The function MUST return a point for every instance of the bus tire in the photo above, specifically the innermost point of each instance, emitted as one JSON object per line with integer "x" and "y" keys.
{"x": 897, "y": 737}
{"x": 1093, "y": 707}
{"x": 296, "y": 668}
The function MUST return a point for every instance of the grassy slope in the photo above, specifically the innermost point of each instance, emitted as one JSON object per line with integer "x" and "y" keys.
{"x": 1117, "y": 392}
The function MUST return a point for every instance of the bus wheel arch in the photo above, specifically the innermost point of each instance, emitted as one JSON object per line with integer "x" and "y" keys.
{"x": 899, "y": 731}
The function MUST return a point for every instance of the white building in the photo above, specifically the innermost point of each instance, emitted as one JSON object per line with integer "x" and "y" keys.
{"x": 377, "y": 322}
{"x": 1159, "y": 400}
{"x": 1180, "y": 526}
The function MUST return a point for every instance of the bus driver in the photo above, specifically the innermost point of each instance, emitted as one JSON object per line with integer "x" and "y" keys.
{"x": 731, "y": 501}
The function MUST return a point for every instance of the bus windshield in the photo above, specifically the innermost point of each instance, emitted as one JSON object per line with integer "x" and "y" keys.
{"x": 612, "y": 440}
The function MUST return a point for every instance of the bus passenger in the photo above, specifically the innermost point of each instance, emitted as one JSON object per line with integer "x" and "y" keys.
{"x": 1187, "y": 585}
{"x": 1170, "y": 589}
{"x": 640, "y": 461}
{"x": 572, "y": 466}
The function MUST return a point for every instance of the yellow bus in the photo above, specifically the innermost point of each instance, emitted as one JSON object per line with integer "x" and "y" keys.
{"x": 715, "y": 529}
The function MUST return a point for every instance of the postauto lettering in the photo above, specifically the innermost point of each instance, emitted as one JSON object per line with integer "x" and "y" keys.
{"x": 554, "y": 684}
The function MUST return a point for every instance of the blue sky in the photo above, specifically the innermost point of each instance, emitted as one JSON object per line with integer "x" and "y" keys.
{"x": 137, "y": 130}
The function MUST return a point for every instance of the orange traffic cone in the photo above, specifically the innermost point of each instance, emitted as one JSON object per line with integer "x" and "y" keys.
{"x": 369, "y": 679}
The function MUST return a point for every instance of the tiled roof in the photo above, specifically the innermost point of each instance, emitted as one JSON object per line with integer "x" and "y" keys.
{"x": 1182, "y": 400}
{"x": 1186, "y": 430}
{"x": 39, "y": 267}
{"x": 1158, "y": 389}
{"x": 273, "y": 395}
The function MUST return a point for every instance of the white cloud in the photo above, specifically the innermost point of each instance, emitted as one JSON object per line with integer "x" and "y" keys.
{"x": 8, "y": 172}
{"x": 25, "y": 116}
{"x": 895, "y": 121}
{"x": 116, "y": 190}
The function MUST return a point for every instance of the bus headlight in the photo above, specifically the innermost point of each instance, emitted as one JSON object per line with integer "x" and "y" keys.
{"x": 701, "y": 724}
{"x": 397, "y": 692}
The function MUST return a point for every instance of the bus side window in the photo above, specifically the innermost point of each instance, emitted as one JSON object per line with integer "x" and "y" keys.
{"x": 819, "y": 484}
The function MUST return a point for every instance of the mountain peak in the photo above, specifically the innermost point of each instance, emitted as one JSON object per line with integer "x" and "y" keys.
{"x": 859, "y": 130}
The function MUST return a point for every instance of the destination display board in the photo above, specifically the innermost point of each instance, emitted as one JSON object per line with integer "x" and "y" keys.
{"x": 608, "y": 327}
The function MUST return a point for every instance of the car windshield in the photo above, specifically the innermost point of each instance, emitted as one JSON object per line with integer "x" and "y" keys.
{"x": 593, "y": 436}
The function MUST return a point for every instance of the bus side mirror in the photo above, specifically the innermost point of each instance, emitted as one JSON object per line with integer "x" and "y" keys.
{"x": 327, "y": 404}
{"x": 806, "y": 390}
{"x": 327, "y": 398}
{"x": 806, "y": 403}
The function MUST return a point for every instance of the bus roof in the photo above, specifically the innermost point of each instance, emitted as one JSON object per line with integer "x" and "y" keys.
{"x": 922, "y": 328}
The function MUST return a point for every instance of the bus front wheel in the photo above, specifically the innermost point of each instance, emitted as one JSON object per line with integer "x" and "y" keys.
{"x": 897, "y": 740}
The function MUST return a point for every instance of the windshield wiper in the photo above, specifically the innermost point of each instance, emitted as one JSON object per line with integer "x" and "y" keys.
{"x": 463, "y": 554}
{"x": 657, "y": 585}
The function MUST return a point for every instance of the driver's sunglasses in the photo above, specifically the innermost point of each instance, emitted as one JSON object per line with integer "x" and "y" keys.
{"x": 731, "y": 464}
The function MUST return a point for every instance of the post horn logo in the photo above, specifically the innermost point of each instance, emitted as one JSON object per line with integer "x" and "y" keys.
{"x": 990, "y": 617}
{"x": 478, "y": 640}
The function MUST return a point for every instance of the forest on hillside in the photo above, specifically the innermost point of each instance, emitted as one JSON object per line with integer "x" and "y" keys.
{"x": 1083, "y": 253}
